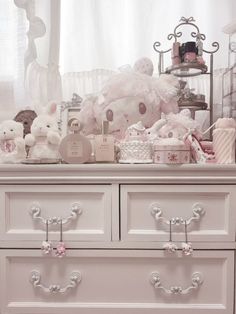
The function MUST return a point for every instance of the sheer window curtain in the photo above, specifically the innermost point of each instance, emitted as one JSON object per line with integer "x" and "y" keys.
{"x": 111, "y": 33}
{"x": 29, "y": 70}
{"x": 13, "y": 43}
{"x": 87, "y": 40}
{"x": 43, "y": 80}
{"x": 108, "y": 34}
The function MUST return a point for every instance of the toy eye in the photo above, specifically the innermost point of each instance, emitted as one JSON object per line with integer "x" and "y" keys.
{"x": 48, "y": 126}
{"x": 11, "y": 130}
{"x": 109, "y": 115}
{"x": 170, "y": 134}
{"x": 142, "y": 108}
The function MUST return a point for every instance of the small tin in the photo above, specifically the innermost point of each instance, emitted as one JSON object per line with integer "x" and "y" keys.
{"x": 171, "y": 151}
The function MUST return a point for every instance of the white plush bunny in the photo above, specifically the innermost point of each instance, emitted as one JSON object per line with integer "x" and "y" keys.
{"x": 44, "y": 139}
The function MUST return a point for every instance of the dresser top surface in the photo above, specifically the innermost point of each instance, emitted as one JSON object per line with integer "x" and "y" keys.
{"x": 64, "y": 173}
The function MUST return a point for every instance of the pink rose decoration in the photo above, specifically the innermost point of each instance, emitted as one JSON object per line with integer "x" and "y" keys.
{"x": 8, "y": 146}
{"x": 60, "y": 249}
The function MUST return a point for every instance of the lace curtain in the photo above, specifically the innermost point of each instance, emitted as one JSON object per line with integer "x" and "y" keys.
{"x": 29, "y": 71}
{"x": 13, "y": 43}
{"x": 85, "y": 35}
{"x": 85, "y": 82}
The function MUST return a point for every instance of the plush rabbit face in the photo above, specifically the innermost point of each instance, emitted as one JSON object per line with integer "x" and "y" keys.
{"x": 44, "y": 139}
{"x": 122, "y": 113}
{"x": 129, "y": 97}
{"x": 43, "y": 124}
{"x": 9, "y": 130}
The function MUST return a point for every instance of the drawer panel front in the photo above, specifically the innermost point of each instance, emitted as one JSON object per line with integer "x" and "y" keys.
{"x": 208, "y": 210}
{"x": 117, "y": 280}
{"x": 85, "y": 212}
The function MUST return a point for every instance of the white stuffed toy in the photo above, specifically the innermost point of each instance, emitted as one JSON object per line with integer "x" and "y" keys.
{"x": 174, "y": 125}
{"x": 128, "y": 97}
{"x": 44, "y": 138}
{"x": 12, "y": 144}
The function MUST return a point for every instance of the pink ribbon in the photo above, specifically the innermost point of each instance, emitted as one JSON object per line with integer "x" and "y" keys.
{"x": 7, "y": 146}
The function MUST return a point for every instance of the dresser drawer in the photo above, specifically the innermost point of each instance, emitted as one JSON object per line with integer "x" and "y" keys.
{"x": 85, "y": 211}
{"x": 209, "y": 212}
{"x": 116, "y": 282}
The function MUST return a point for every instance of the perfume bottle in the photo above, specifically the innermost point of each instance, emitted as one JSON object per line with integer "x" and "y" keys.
{"x": 75, "y": 148}
{"x": 104, "y": 145}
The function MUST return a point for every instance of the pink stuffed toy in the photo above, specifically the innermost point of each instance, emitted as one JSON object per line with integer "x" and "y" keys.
{"x": 128, "y": 97}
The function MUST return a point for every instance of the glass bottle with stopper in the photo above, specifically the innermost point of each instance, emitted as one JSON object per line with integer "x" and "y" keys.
{"x": 104, "y": 145}
{"x": 75, "y": 148}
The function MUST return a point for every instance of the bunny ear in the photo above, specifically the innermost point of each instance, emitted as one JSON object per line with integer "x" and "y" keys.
{"x": 51, "y": 108}
{"x": 39, "y": 108}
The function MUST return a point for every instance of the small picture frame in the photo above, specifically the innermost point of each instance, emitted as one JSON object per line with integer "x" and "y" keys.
{"x": 69, "y": 110}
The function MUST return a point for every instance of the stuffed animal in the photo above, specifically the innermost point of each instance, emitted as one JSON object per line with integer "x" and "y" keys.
{"x": 44, "y": 138}
{"x": 128, "y": 97}
{"x": 174, "y": 125}
{"x": 12, "y": 144}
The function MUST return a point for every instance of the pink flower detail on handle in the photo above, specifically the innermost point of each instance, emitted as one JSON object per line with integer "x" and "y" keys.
{"x": 60, "y": 249}
{"x": 187, "y": 248}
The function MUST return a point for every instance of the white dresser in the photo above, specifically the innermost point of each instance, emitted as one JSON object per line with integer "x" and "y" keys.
{"x": 115, "y": 221}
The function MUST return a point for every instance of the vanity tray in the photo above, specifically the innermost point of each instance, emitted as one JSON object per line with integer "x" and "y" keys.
{"x": 35, "y": 161}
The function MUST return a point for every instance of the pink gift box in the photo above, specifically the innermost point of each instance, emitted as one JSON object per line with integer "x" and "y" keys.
{"x": 164, "y": 153}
